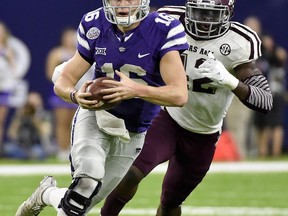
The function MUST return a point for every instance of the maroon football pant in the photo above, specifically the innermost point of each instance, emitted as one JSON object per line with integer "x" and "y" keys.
{"x": 189, "y": 154}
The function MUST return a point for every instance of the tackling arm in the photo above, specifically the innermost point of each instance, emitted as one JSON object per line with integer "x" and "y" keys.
{"x": 249, "y": 84}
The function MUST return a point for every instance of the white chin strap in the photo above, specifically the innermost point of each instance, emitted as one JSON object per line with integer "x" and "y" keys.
{"x": 126, "y": 21}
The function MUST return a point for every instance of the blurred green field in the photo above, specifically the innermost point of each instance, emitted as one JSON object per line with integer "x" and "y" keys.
{"x": 225, "y": 194}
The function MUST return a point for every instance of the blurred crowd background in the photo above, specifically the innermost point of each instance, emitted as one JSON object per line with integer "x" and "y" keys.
{"x": 35, "y": 34}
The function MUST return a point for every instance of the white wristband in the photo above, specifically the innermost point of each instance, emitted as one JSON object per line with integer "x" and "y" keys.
{"x": 231, "y": 82}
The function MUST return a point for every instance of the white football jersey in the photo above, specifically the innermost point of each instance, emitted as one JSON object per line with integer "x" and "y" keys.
{"x": 208, "y": 102}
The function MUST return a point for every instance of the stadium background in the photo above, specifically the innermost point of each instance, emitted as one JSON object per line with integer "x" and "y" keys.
{"x": 39, "y": 23}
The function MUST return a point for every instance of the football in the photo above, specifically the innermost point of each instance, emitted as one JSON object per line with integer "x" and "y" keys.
{"x": 95, "y": 88}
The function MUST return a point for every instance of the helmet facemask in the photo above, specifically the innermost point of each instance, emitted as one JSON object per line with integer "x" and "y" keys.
{"x": 206, "y": 19}
{"x": 136, "y": 12}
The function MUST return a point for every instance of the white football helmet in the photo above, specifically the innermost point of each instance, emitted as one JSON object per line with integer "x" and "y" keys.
{"x": 208, "y": 18}
{"x": 136, "y": 12}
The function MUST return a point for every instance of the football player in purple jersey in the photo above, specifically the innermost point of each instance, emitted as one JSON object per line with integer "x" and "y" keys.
{"x": 220, "y": 63}
{"x": 141, "y": 50}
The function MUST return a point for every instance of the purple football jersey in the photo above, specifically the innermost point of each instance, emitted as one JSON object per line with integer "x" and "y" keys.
{"x": 136, "y": 53}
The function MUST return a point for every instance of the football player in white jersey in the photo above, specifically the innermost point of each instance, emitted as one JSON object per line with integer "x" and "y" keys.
{"x": 141, "y": 50}
{"x": 220, "y": 63}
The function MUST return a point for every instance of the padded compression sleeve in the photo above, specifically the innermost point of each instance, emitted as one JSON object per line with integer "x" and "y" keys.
{"x": 260, "y": 97}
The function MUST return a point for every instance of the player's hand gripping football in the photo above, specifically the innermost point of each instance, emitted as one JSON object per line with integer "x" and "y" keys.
{"x": 81, "y": 97}
{"x": 215, "y": 70}
{"x": 125, "y": 89}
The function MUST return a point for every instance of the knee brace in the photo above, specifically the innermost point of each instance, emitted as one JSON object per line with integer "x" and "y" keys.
{"x": 71, "y": 197}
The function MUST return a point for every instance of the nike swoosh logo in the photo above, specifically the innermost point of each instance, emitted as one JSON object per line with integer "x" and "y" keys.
{"x": 141, "y": 56}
